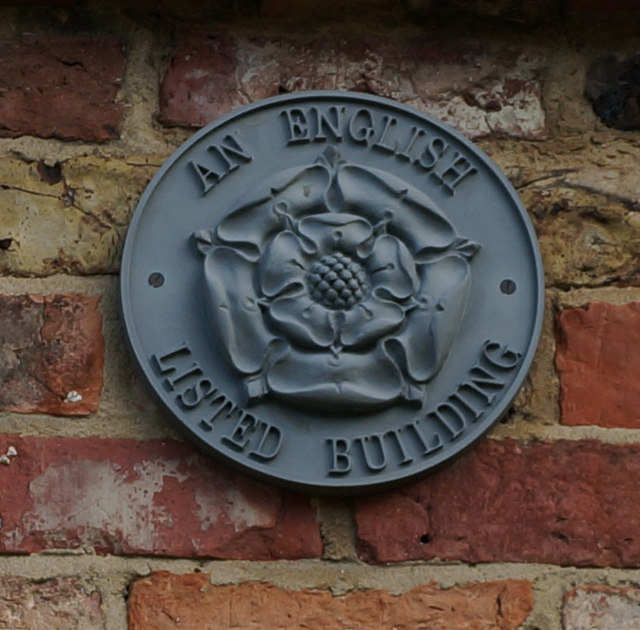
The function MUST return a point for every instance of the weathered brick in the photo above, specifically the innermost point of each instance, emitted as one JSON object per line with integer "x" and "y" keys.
{"x": 70, "y": 216}
{"x": 61, "y": 88}
{"x": 157, "y": 497}
{"x": 598, "y": 362}
{"x": 479, "y": 87}
{"x": 574, "y": 503}
{"x": 57, "y": 604}
{"x": 165, "y": 601}
{"x": 51, "y": 354}
{"x": 586, "y": 233}
{"x": 595, "y": 607}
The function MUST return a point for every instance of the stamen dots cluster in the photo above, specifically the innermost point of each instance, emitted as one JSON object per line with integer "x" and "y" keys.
{"x": 337, "y": 281}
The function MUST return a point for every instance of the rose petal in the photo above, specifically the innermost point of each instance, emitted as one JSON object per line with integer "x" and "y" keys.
{"x": 336, "y": 232}
{"x": 347, "y": 383}
{"x": 282, "y": 266}
{"x": 368, "y": 321}
{"x": 432, "y": 328}
{"x": 294, "y": 192}
{"x": 231, "y": 305}
{"x": 303, "y": 321}
{"x": 392, "y": 268}
{"x": 380, "y": 196}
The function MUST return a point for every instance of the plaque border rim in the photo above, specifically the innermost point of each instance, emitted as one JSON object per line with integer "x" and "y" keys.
{"x": 262, "y": 471}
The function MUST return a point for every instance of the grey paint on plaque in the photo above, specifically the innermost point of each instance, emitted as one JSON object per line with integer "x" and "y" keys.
{"x": 332, "y": 291}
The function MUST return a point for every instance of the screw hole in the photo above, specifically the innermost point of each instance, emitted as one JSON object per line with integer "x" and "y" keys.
{"x": 508, "y": 286}
{"x": 156, "y": 279}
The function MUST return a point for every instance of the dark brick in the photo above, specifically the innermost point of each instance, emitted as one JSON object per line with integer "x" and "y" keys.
{"x": 66, "y": 88}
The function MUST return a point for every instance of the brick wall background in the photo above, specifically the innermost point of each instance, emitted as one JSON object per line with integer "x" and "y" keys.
{"x": 108, "y": 521}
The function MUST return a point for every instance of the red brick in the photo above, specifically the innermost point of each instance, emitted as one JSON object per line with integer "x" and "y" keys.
{"x": 571, "y": 503}
{"x": 598, "y": 362}
{"x": 61, "y": 88}
{"x": 158, "y": 498}
{"x": 58, "y": 604}
{"x": 50, "y": 347}
{"x": 165, "y": 601}
{"x": 479, "y": 87}
{"x": 595, "y": 607}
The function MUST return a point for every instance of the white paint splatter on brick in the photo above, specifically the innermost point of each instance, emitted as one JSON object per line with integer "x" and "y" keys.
{"x": 234, "y": 507}
{"x": 498, "y": 94}
{"x": 73, "y": 397}
{"x": 5, "y": 458}
{"x": 103, "y": 504}
{"x": 197, "y": 74}
{"x": 58, "y": 604}
{"x": 95, "y": 502}
{"x": 602, "y": 608}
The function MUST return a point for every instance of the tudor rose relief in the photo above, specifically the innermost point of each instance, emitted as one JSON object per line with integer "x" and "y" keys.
{"x": 336, "y": 284}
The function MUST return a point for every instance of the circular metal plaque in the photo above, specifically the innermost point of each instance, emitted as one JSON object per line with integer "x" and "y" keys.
{"x": 332, "y": 291}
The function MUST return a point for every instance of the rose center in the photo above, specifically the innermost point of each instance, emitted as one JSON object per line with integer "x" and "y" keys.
{"x": 337, "y": 282}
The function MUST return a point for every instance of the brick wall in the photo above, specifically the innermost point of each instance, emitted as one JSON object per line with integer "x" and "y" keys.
{"x": 109, "y": 521}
